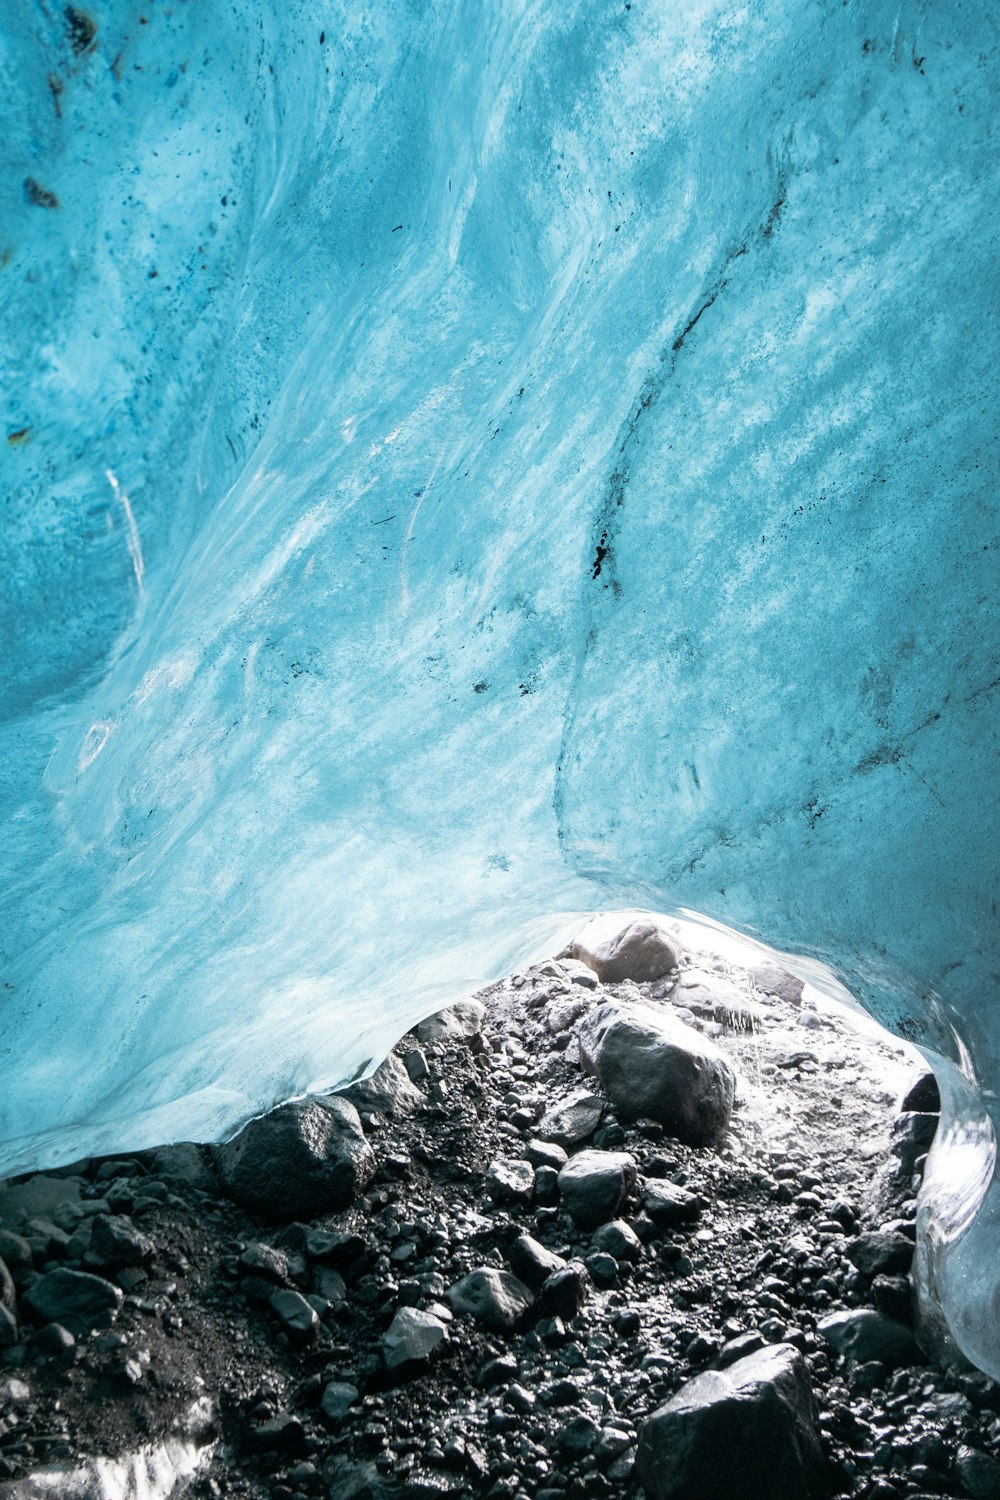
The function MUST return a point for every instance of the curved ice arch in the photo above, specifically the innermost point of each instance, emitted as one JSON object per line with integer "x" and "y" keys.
{"x": 477, "y": 463}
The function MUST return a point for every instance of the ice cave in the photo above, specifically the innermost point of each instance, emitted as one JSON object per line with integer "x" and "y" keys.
{"x": 471, "y": 466}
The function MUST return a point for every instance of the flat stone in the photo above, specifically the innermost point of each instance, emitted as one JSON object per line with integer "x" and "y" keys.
{"x": 864, "y": 1335}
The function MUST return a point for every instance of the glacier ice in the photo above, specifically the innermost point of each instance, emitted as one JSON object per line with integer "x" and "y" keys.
{"x": 468, "y": 465}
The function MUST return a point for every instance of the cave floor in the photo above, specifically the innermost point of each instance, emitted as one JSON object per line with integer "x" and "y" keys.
{"x": 544, "y": 1410}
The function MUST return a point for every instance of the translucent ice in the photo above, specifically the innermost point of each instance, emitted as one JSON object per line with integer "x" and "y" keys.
{"x": 471, "y": 463}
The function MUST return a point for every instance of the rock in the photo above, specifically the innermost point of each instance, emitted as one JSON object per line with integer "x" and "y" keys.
{"x": 415, "y": 1063}
{"x": 531, "y": 1261}
{"x": 573, "y": 1120}
{"x": 389, "y": 1091}
{"x": 669, "y": 1205}
{"x": 639, "y": 950}
{"x": 8, "y": 1326}
{"x": 738, "y": 1348}
{"x": 337, "y": 1399}
{"x": 564, "y": 1292}
{"x": 329, "y": 1284}
{"x": 654, "y": 1066}
{"x": 578, "y": 972}
{"x": 771, "y": 979}
{"x": 979, "y": 1473}
{"x": 76, "y": 1299}
{"x": 495, "y": 1298}
{"x": 14, "y": 1394}
{"x": 877, "y": 1253}
{"x": 264, "y": 1260}
{"x": 15, "y": 1252}
{"x": 460, "y": 1021}
{"x": 412, "y": 1338}
{"x": 746, "y": 1431}
{"x": 187, "y": 1163}
{"x": 115, "y": 1242}
{"x": 923, "y": 1096}
{"x": 618, "y": 1239}
{"x": 893, "y": 1297}
{"x": 511, "y": 1182}
{"x": 546, "y": 1154}
{"x": 306, "y": 1158}
{"x": 865, "y": 1336}
{"x": 53, "y": 1341}
{"x": 602, "y": 1268}
{"x": 296, "y": 1316}
{"x": 8, "y": 1292}
{"x": 595, "y": 1184}
{"x": 283, "y": 1433}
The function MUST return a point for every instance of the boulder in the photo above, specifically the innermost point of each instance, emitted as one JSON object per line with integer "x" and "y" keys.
{"x": 653, "y": 1066}
{"x": 188, "y": 1164}
{"x": 880, "y": 1253}
{"x": 389, "y": 1091}
{"x": 510, "y": 1182}
{"x": 412, "y": 1338}
{"x": 493, "y": 1297}
{"x": 531, "y": 1261}
{"x": 77, "y": 1300}
{"x": 618, "y": 1239}
{"x": 459, "y": 1022}
{"x": 595, "y": 1184}
{"x": 745, "y": 1431}
{"x": 864, "y": 1336}
{"x": 639, "y": 950}
{"x": 337, "y": 1399}
{"x": 115, "y": 1242}
{"x": 771, "y": 979}
{"x": 670, "y": 1206}
{"x": 297, "y": 1317}
{"x": 306, "y": 1158}
{"x": 572, "y": 1120}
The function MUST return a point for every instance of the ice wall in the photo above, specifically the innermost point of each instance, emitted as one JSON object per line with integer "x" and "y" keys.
{"x": 470, "y": 463}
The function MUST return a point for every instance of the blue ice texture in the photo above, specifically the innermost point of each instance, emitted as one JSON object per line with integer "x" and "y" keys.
{"x": 468, "y": 464}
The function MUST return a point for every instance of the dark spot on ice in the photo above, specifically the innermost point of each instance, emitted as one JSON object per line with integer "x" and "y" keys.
{"x": 480, "y": 687}
{"x": 39, "y": 196}
{"x": 82, "y": 29}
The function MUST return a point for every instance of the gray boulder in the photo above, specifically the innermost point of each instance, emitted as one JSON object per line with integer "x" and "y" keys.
{"x": 654, "y": 1067}
{"x": 115, "y": 1242}
{"x": 77, "y": 1300}
{"x": 746, "y": 1431}
{"x": 412, "y": 1338}
{"x": 639, "y": 950}
{"x": 459, "y": 1022}
{"x": 771, "y": 979}
{"x": 595, "y": 1184}
{"x": 669, "y": 1205}
{"x": 493, "y": 1297}
{"x": 297, "y": 1317}
{"x": 866, "y": 1336}
{"x": 306, "y": 1158}
{"x": 511, "y": 1182}
{"x": 389, "y": 1091}
{"x": 337, "y": 1399}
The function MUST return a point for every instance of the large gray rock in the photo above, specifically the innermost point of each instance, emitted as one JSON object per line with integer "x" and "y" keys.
{"x": 495, "y": 1298}
{"x": 75, "y": 1299}
{"x": 459, "y": 1022}
{"x": 595, "y": 1184}
{"x": 389, "y": 1091}
{"x": 652, "y": 1066}
{"x": 866, "y": 1336}
{"x": 746, "y": 1431}
{"x": 306, "y": 1158}
{"x": 412, "y": 1338}
{"x": 771, "y": 979}
{"x": 639, "y": 950}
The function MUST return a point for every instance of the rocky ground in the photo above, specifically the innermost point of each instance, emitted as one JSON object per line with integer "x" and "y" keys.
{"x": 587, "y": 1236}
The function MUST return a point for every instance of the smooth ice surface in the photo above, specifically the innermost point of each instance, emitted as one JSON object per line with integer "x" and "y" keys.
{"x": 466, "y": 464}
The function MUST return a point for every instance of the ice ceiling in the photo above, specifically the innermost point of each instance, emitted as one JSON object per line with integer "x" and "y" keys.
{"x": 466, "y": 464}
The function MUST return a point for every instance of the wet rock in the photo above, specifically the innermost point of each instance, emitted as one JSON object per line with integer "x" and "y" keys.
{"x": 186, "y": 1163}
{"x": 264, "y": 1260}
{"x": 8, "y": 1292}
{"x": 877, "y": 1253}
{"x": 511, "y": 1182}
{"x": 639, "y": 950}
{"x": 337, "y": 1399}
{"x": 496, "y": 1298}
{"x": 306, "y": 1158}
{"x": 747, "y": 1431}
{"x": 15, "y": 1252}
{"x": 459, "y": 1022}
{"x": 669, "y": 1205}
{"x": 389, "y": 1091}
{"x": 864, "y": 1335}
{"x": 595, "y": 1184}
{"x": 53, "y": 1342}
{"x": 76, "y": 1299}
{"x": 531, "y": 1261}
{"x": 412, "y": 1338}
{"x": 546, "y": 1154}
{"x": 564, "y": 1292}
{"x": 618, "y": 1239}
{"x": 653, "y": 1065}
{"x": 283, "y": 1433}
{"x": 573, "y": 1120}
{"x": 115, "y": 1242}
{"x": 296, "y": 1315}
{"x": 979, "y": 1473}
